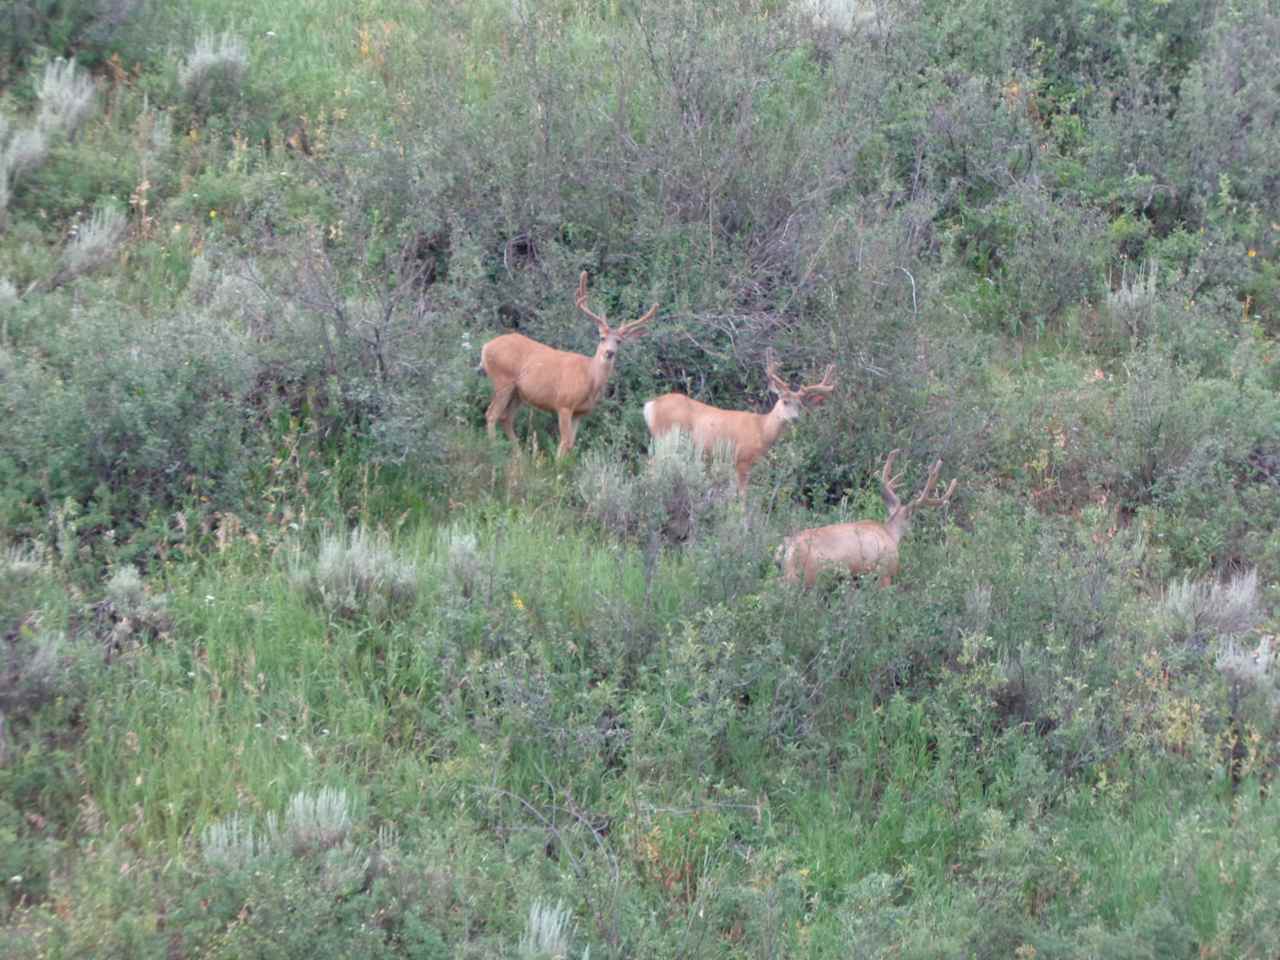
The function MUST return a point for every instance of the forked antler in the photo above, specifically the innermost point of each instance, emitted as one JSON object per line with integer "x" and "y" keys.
{"x": 776, "y": 383}
{"x": 630, "y": 330}
{"x": 636, "y": 328}
{"x": 815, "y": 394}
{"x": 924, "y": 500}
{"x": 887, "y": 480}
{"x": 581, "y": 301}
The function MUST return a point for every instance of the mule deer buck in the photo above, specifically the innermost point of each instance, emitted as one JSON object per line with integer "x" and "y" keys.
{"x": 866, "y": 546}
{"x": 566, "y": 384}
{"x": 750, "y": 434}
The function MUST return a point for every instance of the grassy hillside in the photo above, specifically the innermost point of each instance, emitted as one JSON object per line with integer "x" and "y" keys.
{"x": 295, "y": 662}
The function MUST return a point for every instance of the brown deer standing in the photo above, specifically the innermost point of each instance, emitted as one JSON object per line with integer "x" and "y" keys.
{"x": 751, "y": 434}
{"x": 866, "y": 546}
{"x": 567, "y": 384}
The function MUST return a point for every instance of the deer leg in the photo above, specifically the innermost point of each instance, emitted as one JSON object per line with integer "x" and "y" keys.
{"x": 888, "y": 572}
{"x": 497, "y": 410}
{"x": 568, "y": 422}
{"x": 744, "y": 471}
{"x": 508, "y": 417}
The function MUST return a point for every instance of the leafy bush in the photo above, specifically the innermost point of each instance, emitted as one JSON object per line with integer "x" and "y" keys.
{"x": 90, "y": 27}
{"x": 124, "y": 415}
{"x": 1036, "y": 257}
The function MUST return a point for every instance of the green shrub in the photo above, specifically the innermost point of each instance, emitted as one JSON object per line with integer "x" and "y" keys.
{"x": 126, "y": 415}
{"x": 1035, "y": 256}
{"x": 89, "y": 28}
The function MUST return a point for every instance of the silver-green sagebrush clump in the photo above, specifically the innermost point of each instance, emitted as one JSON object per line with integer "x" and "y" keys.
{"x": 357, "y": 574}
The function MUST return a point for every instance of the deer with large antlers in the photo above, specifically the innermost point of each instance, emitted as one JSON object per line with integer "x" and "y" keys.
{"x": 866, "y": 546}
{"x": 750, "y": 434}
{"x": 566, "y": 384}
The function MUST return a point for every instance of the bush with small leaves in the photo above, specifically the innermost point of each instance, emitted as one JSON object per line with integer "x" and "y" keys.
{"x": 214, "y": 69}
{"x": 312, "y": 824}
{"x": 90, "y": 27}
{"x": 464, "y": 567}
{"x": 37, "y": 666}
{"x": 126, "y": 412}
{"x": 95, "y": 244}
{"x": 1194, "y": 613}
{"x": 548, "y": 932}
{"x": 357, "y": 574}
{"x": 677, "y": 492}
{"x": 66, "y": 98}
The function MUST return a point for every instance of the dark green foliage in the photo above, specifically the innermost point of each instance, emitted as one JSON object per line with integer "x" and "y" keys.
{"x": 87, "y": 29}
{"x": 1038, "y": 241}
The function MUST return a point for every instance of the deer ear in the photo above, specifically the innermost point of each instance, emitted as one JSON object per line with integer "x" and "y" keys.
{"x": 815, "y": 400}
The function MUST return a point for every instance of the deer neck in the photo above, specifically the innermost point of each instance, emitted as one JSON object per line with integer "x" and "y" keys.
{"x": 898, "y": 524}
{"x": 772, "y": 424}
{"x": 598, "y": 373}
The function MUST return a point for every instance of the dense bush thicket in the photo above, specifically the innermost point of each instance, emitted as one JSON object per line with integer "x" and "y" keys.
{"x": 287, "y": 643}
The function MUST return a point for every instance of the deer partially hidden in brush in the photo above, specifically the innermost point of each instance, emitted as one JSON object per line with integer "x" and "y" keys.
{"x": 867, "y": 546}
{"x": 749, "y": 434}
{"x": 566, "y": 384}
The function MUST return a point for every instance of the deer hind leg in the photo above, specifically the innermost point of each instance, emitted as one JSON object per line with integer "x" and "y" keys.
{"x": 501, "y": 407}
{"x": 508, "y": 417}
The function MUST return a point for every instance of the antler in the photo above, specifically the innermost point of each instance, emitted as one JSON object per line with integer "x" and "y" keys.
{"x": 581, "y": 301}
{"x": 815, "y": 394}
{"x": 776, "y": 383}
{"x": 887, "y": 480}
{"x": 927, "y": 501}
{"x": 634, "y": 328}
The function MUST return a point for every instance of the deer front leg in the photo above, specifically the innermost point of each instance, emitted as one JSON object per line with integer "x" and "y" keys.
{"x": 888, "y": 570}
{"x": 568, "y": 423}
